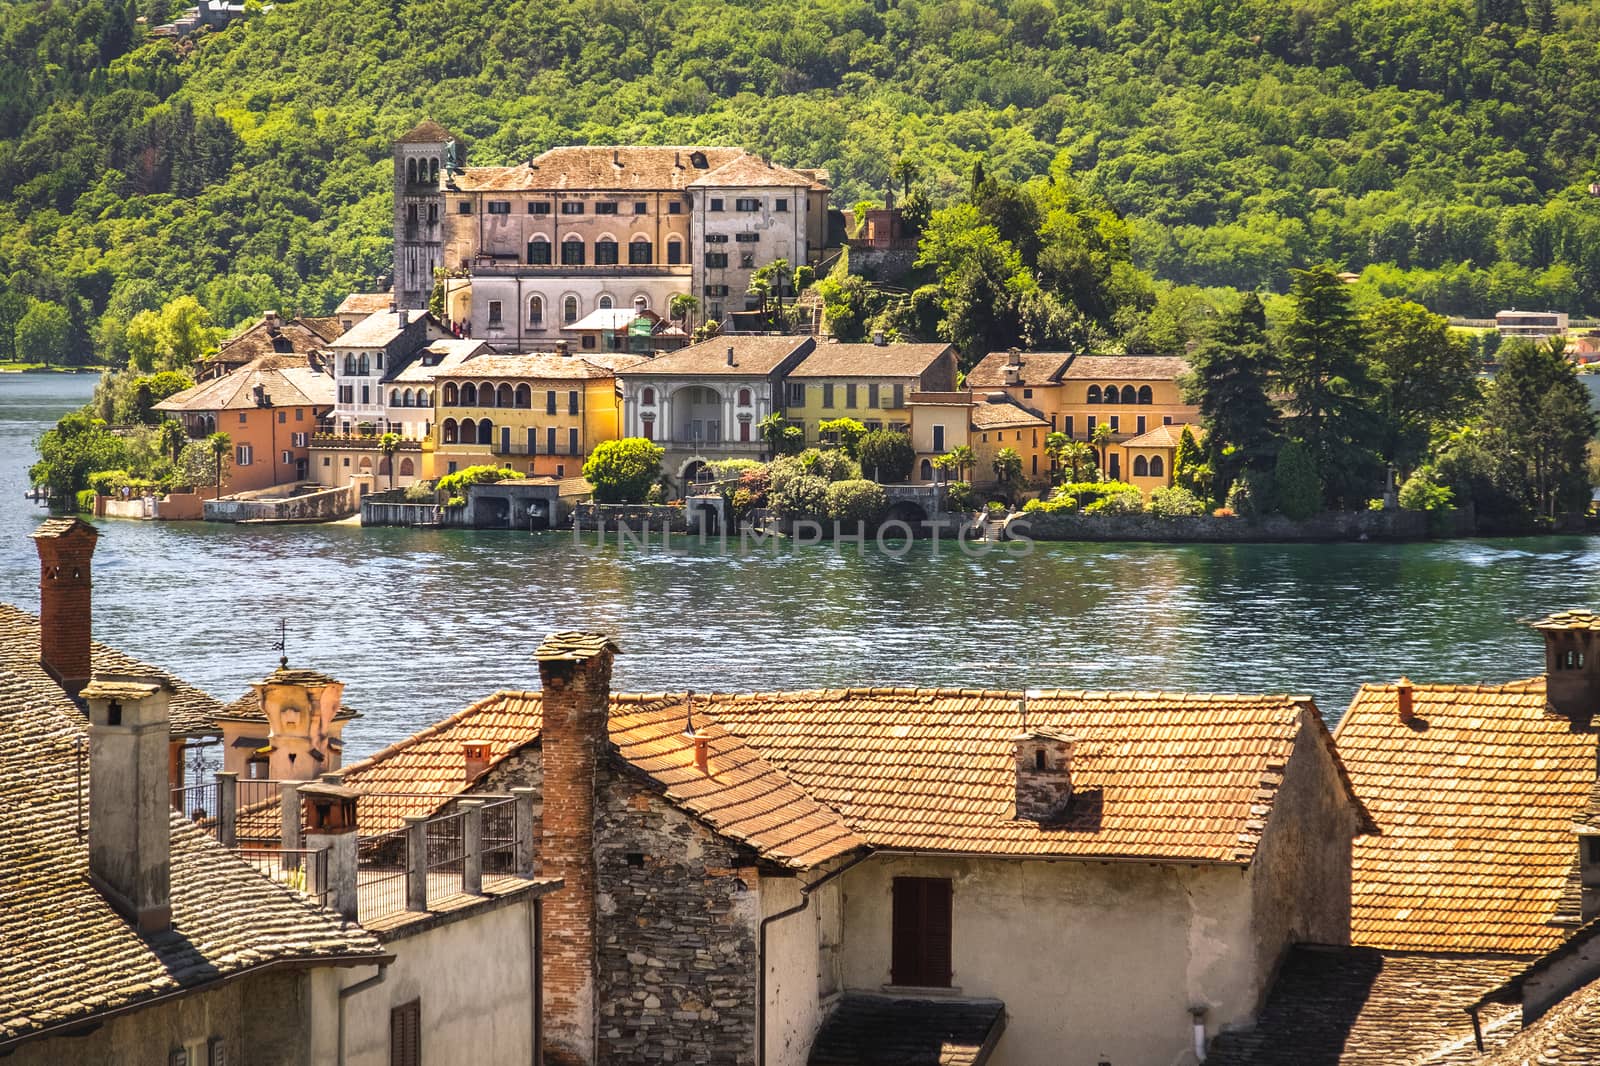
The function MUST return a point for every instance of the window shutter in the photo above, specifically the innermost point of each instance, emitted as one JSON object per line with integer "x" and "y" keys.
{"x": 921, "y": 934}
{"x": 907, "y": 942}
{"x": 936, "y": 933}
{"x": 405, "y": 1037}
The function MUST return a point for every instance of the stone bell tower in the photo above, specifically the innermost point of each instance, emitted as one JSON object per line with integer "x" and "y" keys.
{"x": 423, "y": 160}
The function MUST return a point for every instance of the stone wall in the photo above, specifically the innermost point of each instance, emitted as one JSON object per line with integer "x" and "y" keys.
{"x": 248, "y": 507}
{"x": 638, "y": 517}
{"x": 1328, "y": 526}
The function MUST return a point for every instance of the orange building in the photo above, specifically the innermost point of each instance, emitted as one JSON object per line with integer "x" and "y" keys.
{"x": 269, "y": 410}
{"x": 1146, "y": 461}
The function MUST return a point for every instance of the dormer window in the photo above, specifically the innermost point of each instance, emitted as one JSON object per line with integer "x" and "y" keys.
{"x": 697, "y": 160}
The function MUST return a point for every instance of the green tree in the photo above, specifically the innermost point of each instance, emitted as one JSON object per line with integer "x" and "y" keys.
{"x": 1189, "y": 465}
{"x": 622, "y": 471}
{"x": 44, "y": 334}
{"x": 1539, "y": 423}
{"x": 172, "y": 438}
{"x": 1229, "y": 379}
{"x": 856, "y": 503}
{"x": 956, "y": 461}
{"x": 75, "y": 448}
{"x": 389, "y": 444}
{"x": 886, "y": 456}
{"x": 847, "y": 432}
{"x": 1299, "y": 490}
{"x": 770, "y": 282}
{"x": 220, "y": 445}
{"x": 682, "y": 308}
{"x": 1329, "y": 396}
{"x": 1427, "y": 377}
{"x": 1101, "y": 437}
{"x": 780, "y": 437}
{"x": 1008, "y": 472}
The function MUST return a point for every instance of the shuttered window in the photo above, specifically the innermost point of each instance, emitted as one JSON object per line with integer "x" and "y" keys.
{"x": 405, "y": 1034}
{"x": 921, "y": 941}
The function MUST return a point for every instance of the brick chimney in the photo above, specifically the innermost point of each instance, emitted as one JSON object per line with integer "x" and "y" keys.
{"x": 1403, "y": 701}
{"x": 476, "y": 756}
{"x": 1044, "y": 774}
{"x": 129, "y": 834}
{"x": 575, "y": 671}
{"x": 65, "y": 546}
{"x": 1572, "y": 662}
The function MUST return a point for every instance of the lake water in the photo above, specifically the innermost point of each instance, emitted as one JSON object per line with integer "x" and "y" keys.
{"x": 420, "y": 623}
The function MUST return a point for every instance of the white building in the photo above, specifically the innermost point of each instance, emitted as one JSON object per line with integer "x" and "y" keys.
{"x": 747, "y": 213}
{"x": 374, "y": 349}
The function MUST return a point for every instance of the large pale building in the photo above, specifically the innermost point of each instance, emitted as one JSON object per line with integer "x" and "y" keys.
{"x": 536, "y": 247}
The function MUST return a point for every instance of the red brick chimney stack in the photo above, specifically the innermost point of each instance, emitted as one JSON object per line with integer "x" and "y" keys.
{"x": 65, "y": 546}
{"x": 575, "y": 670}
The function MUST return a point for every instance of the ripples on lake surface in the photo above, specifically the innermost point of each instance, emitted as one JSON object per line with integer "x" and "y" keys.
{"x": 420, "y": 623}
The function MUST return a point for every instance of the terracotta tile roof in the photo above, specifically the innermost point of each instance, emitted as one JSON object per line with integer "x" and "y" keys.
{"x": 286, "y": 380}
{"x": 1361, "y": 1007}
{"x": 864, "y": 1028}
{"x": 1122, "y": 368}
{"x": 1157, "y": 775}
{"x": 745, "y": 798}
{"x": 427, "y": 132}
{"x": 294, "y": 336}
{"x": 599, "y": 168}
{"x": 1568, "y": 1034}
{"x": 1038, "y": 368}
{"x": 995, "y": 412}
{"x": 365, "y": 303}
{"x": 753, "y": 355}
{"x": 377, "y": 330}
{"x": 749, "y": 171}
{"x": 192, "y": 712}
{"x": 541, "y": 366}
{"x": 437, "y": 358}
{"x": 68, "y": 955}
{"x": 1475, "y": 799}
{"x": 1163, "y": 437}
{"x": 869, "y": 360}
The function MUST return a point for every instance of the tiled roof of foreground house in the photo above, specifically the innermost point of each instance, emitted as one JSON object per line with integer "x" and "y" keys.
{"x": 1360, "y": 1007}
{"x": 1036, "y": 368}
{"x": 1157, "y": 775}
{"x": 68, "y": 955}
{"x": 192, "y": 713}
{"x": 1567, "y": 1035}
{"x": 1476, "y": 797}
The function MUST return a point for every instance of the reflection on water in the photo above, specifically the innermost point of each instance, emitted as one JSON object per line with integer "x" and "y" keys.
{"x": 419, "y": 623}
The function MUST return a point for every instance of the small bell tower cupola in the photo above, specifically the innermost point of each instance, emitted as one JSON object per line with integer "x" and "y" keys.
{"x": 1043, "y": 757}
{"x": 1572, "y": 662}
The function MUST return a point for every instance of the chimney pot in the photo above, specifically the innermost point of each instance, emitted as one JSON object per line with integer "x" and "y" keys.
{"x": 702, "y": 753}
{"x": 130, "y": 847}
{"x": 616, "y": 157}
{"x": 879, "y": 339}
{"x": 561, "y": 348}
{"x": 1403, "y": 701}
{"x": 270, "y": 318}
{"x": 730, "y": 355}
{"x": 476, "y": 756}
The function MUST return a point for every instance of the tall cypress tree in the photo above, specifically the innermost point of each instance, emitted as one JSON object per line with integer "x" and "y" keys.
{"x": 1330, "y": 403}
{"x": 1230, "y": 371}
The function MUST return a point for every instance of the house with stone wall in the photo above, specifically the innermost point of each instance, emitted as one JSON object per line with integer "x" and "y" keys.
{"x": 842, "y": 876}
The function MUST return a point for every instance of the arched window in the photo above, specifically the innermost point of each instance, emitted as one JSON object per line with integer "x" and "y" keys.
{"x": 539, "y": 251}
{"x": 486, "y": 432}
{"x": 648, "y": 397}
{"x": 674, "y": 252}
{"x": 569, "y": 310}
{"x": 1145, "y": 395}
{"x": 411, "y": 171}
{"x": 365, "y": 467}
{"x": 485, "y": 394}
{"x": 927, "y": 470}
{"x": 641, "y": 304}
{"x": 572, "y": 252}
{"x": 394, "y": 397}
{"x": 1157, "y": 467}
{"x": 349, "y": 365}
{"x": 536, "y": 311}
{"x": 502, "y": 396}
{"x": 433, "y": 172}
{"x": 363, "y": 366}
{"x": 524, "y": 398}
{"x": 605, "y": 252}
{"x": 1130, "y": 394}
{"x": 639, "y": 252}
{"x": 406, "y": 468}
{"x": 1111, "y": 394}
{"x": 383, "y": 465}
{"x": 1094, "y": 394}
{"x": 1141, "y": 467}
{"x": 424, "y": 398}
{"x": 451, "y": 396}
{"x": 469, "y": 395}
{"x": 744, "y": 397}
{"x": 605, "y": 303}
{"x": 469, "y": 431}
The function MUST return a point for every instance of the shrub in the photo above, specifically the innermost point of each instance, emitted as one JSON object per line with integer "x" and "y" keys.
{"x": 996, "y": 508}
{"x": 623, "y": 471}
{"x": 85, "y": 500}
{"x": 847, "y": 431}
{"x": 755, "y": 483}
{"x": 742, "y": 503}
{"x": 1421, "y": 492}
{"x": 455, "y": 485}
{"x": 107, "y": 482}
{"x": 830, "y": 466}
{"x": 959, "y": 497}
{"x": 420, "y": 492}
{"x": 1176, "y": 502}
{"x": 656, "y": 494}
{"x": 805, "y": 496}
{"x": 783, "y": 470}
{"x": 1057, "y": 505}
{"x": 1087, "y": 493}
{"x": 1299, "y": 487}
{"x": 886, "y": 456}
{"x": 725, "y": 469}
{"x": 857, "y": 501}
{"x": 456, "y": 501}
{"x": 1124, "y": 501}
{"x": 1250, "y": 495}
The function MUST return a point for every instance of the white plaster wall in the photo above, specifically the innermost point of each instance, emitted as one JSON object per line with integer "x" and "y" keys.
{"x": 474, "y": 978}
{"x": 1095, "y": 962}
{"x": 516, "y": 333}
{"x": 794, "y": 971}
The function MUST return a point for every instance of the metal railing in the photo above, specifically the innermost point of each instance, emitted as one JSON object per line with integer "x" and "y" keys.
{"x": 447, "y": 854}
{"x": 498, "y": 842}
{"x": 382, "y": 865}
{"x": 198, "y": 803}
{"x": 301, "y": 869}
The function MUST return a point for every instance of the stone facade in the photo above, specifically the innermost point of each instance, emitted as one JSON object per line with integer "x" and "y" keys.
{"x": 1328, "y": 526}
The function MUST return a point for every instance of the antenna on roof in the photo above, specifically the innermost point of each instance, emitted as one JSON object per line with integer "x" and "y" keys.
{"x": 688, "y": 714}
{"x": 281, "y": 645}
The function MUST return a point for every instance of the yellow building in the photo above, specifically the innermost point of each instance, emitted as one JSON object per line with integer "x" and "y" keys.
{"x": 866, "y": 382}
{"x": 986, "y": 423}
{"x": 542, "y": 412}
{"x": 1146, "y": 460}
{"x": 1134, "y": 394}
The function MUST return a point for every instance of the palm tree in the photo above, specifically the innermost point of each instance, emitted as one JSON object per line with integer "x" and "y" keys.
{"x": 172, "y": 438}
{"x": 771, "y": 280}
{"x": 1076, "y": 457}
{"x": 964, "y": 458}
{"x": 1102, "y": 438}
{"x": 219, "y": 444}
{"x": 389, "y": 443}
{"x": 681, "y": 308}
{"x": 1008, "y": 471}
{"x": 905, "y": 172}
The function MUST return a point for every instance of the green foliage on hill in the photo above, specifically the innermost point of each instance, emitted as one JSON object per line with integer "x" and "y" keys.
{"x": 1442, "y": 149}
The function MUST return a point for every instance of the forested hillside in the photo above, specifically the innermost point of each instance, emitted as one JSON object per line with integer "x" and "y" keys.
{"x": 1444, "y": 148}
